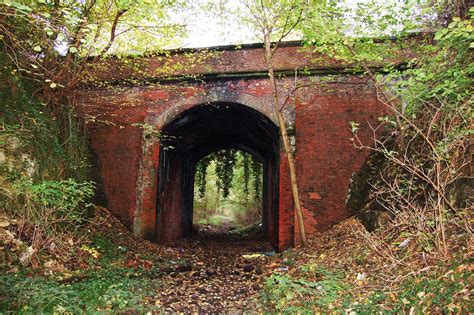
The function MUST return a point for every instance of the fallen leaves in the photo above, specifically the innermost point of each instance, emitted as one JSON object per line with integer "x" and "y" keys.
{"x": 91, "y": 250}
{"x": 219, "y": 274}
{"x": 222, "y": 277}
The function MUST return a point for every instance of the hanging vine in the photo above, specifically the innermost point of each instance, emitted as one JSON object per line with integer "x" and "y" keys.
{"x": 200, "y": 177}
{"x": 226, "y": 162}
{"x": 246, "y": 160}
{"x": 257, "y": 170}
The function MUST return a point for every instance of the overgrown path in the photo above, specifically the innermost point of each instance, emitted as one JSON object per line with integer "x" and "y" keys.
{"x": 210, "y": 272}
{"x": 219, "y": 274}
{"x": 342, "y": 270}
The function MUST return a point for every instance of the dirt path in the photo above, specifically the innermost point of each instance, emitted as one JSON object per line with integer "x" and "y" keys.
{"x": 209, "y": 272}
{"x": 215, "y": 276}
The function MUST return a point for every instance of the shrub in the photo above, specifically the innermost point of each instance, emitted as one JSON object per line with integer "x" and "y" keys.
{"x": 111, "y": 288}
{"x": 47, "y": 210}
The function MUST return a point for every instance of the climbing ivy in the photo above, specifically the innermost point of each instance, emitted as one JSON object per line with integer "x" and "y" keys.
{"x": 36, "y": 142}
{"x": 227, "y": 162}
{"x": 256, "y": 168}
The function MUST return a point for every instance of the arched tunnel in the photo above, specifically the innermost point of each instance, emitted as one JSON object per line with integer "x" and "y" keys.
{"x": 199, "y": 131}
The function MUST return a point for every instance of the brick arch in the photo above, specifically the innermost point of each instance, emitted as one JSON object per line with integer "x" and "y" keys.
{"x": 213, "y": 96}
{"x": 201, "y": 130}
{"x": 318, "y": 120}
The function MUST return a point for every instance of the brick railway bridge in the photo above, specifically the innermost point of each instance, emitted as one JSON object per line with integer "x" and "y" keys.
{"x": 204, "y": 100}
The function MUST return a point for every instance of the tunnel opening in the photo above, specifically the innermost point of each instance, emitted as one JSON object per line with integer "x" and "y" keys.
{"x": 203, "y": 130}
{"x": 228, "y": 195}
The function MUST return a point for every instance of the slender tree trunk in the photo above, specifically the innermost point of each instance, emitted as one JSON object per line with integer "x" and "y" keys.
{"x": 284, "y": 135}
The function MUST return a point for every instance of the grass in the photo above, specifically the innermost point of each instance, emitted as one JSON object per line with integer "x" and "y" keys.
{"x": 111, "y": 288}
{"x": 216, "y": 220}
{"x": 106, "y": 285}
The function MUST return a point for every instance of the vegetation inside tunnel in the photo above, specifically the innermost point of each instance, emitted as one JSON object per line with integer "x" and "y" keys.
{"x": 228, "y": 192}
{"x": 212, "y": 137}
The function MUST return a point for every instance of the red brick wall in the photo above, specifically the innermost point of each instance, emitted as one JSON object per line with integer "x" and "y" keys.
{"x": 229, "y": 60}
{"x": 326, "y": 158}
{"x": 170, "y": 214}
{"x": 117, "y": 142}
{"x": 145, "y": 216}
{"x": 118, "y": 162}
{"x": 286, "y": 208}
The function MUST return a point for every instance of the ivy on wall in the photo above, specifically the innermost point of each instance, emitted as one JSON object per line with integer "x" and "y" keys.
{"x": 227, "y": 163}
{"x": 36, "y": 142}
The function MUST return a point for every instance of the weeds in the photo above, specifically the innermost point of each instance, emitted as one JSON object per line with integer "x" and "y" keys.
{"x": 108, "y": 283}
{"x": 447, "y": 291}
{"x": 109, "y": 288}
{"x": 425, "y": 178}
{"x": 318, "y": 289}
{"x": 47, "y": 212}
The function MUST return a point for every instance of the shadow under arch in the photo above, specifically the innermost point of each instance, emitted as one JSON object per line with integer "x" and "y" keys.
{"x": 199, "y": 131}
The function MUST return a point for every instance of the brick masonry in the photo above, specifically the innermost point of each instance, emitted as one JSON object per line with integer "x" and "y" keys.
{"x": 120, "y": 114}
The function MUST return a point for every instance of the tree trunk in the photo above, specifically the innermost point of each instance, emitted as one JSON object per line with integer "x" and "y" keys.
{"x": 284, "y": 135}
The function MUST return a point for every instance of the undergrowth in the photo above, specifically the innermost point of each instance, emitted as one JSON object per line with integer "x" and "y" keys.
{"x": 419, "y": 261}
{"x": 446, "y": 289}
{"x": 319, "y": 288}
{"x": 46, "y": 169}
{"x": 107, "y": 284}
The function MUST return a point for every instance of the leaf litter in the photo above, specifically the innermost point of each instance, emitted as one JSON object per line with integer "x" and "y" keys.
{"x": 217, "y": 273}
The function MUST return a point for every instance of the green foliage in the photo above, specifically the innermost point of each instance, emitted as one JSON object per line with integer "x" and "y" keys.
{"x": 68, "y": 200}
{"x": 371, "y": 32}
{"x": 276, "y": 18}
{"x": 439, "y": 293}
{"x": 106, "y": 290}
{"x": 50, "y": 207}
{"x": 441, "y": 73}
{"x": 224, "y": 167}
{"x": 246, "y": 160}
{"x": 236, "y": 172}
{"x": 317, "y": 289}
{"x": 225, "y": 162}
{"x": 257, "y": 175}
{"x": 200, "y": 175}
{"x": 84, "y": 27}
{"x": 424, "y": 139}
{"x": 287, "y": 294}
{"x": 55, "y": 145}
{"x": 48, "y": 213}
{"x": 435, "y": 125}
{"x": 105, "y": 287}
{"x": 45, "y": 177}
{"x": 217, "y": 220}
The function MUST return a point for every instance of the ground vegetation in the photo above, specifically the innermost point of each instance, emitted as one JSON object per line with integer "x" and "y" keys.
{"x": 61, "y": 253}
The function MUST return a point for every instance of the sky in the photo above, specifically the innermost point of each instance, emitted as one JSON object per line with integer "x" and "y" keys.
{"x": 212, "y": 33}
{"x": 206, "y": 29}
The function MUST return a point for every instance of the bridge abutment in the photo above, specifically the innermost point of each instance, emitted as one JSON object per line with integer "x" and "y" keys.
{"x": 148, "y": 136}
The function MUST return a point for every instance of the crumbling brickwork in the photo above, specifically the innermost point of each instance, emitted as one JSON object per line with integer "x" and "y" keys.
{"x": 149, "y": 191}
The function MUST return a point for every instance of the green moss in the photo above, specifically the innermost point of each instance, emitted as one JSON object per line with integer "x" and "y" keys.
{"x": 36, "y": 142}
